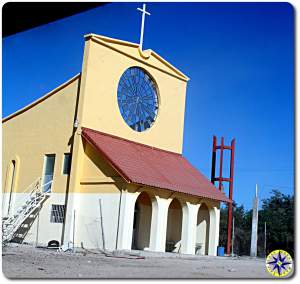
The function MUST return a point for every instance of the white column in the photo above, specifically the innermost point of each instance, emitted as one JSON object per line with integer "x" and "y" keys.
{"x": 189, "y": 225}
{"x": 126, "y": 219}
{"x": 159, "y": 224}
{"x": 214, "y": 215}
{"x": 253, "y": 247}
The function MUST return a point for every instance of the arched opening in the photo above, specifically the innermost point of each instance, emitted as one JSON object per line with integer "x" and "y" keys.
{"x": 203, "y": 224}
{"x": 10, "y": 185}
{"x": 142, "y": 222}
{"x": 174, "y": 227}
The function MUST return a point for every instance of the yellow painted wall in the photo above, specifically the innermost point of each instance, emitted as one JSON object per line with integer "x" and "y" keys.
{"x": 97, "y": 176}
{"x": 45, "y": 127}
{"x": 105, "y": 62}
{"x": 95, "y": 166}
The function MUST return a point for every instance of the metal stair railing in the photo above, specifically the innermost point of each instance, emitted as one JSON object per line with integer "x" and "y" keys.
{"x": 35, "y": 197}
{"x": 28, "y": 191}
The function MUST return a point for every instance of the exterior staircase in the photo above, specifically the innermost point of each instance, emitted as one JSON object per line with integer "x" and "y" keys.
{"x": 35, "y": 196}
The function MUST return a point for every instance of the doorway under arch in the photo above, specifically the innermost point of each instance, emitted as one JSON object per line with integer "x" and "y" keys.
{"x": 202, "y": 235}
{"x": 142, "y": 222}
{"x": 174, "y": 226}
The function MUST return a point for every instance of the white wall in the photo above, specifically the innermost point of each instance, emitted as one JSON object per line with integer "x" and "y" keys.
{"x": 87, "y": 216}
{"x": 47, "y": 231}
{"x": 88, "y": 229}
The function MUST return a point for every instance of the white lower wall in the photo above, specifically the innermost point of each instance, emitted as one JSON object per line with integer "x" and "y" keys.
{"x": 42, "y": 231}
{"x": 88, "y": 229}
{"x": 118, "y": 232}
{"x": 87, "y": 216}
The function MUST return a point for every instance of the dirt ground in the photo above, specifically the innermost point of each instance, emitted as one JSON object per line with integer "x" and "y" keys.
{"x": 23, "y": 261}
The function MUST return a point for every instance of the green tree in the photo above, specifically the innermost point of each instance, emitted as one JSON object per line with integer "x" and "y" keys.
{"x": 241, "y": 229}
{"x": 278, "y": 213}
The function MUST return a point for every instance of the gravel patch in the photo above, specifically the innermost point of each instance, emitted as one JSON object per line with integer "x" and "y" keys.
{"x": 27, "y": 262}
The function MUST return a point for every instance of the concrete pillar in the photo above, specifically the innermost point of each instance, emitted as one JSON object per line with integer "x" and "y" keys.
{"x": 159, "y": 221}
{"x": 214, "y": 215}
{"x": 253, "y": 248}
{"x": 189, "y": 225}
{"x": 126, "y": 219}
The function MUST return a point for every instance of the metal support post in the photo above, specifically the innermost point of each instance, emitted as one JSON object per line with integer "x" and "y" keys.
{"x": 229, "y": 220}
{"x": 221, "y": 163}
{"x": 214, "y": 154}
{"x": 222, "y": 179}
{"x": 101, "y": 222}
{"x": 74, "y": 219}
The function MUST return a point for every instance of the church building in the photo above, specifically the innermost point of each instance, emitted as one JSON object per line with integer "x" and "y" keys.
{"x": 98, "y": 162}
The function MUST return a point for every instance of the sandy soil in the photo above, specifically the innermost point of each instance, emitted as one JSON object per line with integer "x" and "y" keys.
{"x": 23, "y": 261}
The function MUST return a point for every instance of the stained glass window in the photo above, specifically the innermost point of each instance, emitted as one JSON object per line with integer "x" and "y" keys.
{"x": 138, "y": 99}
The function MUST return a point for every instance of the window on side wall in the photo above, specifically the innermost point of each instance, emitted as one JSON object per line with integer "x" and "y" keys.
{"x": 57, "y": 213}
{"x": 66, "y": 164}
{"x": 49, "y": 162}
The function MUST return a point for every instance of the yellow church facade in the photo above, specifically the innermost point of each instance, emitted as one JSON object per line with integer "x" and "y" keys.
{"x": 94, "y": 164}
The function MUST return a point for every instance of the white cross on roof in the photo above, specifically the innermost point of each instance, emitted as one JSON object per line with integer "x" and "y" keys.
{"x": 144, "y": 12}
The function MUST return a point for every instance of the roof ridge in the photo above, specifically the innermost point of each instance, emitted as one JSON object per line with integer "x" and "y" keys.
{"x": 131, "y": 141}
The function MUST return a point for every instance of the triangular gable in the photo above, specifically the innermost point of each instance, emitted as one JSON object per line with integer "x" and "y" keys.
{"x": 148, "y": 57}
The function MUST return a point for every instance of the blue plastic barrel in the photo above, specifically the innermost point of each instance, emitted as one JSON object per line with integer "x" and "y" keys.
{"x": 220, "y": 251}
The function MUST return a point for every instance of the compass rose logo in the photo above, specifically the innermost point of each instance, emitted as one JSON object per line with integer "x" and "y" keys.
{"x": 279, "y": 263}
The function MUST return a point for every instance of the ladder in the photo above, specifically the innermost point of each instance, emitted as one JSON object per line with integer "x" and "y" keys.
{"x": 34, "y": 199}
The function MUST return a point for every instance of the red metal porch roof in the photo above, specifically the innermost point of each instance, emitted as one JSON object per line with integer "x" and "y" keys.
{"x": 146, "y": 165}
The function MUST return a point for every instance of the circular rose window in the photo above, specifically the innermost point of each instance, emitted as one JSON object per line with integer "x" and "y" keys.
{"x": 138, "y": 98}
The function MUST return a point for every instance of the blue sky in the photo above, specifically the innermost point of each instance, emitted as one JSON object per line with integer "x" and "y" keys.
{"x": 239, "y": 56}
